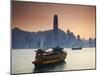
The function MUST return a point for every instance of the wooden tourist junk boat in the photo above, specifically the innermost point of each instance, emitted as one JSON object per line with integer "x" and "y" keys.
{"x": 55, "y": 56}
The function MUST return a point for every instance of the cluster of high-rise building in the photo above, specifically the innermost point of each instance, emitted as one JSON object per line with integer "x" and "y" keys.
{"x": 49, "y": 39}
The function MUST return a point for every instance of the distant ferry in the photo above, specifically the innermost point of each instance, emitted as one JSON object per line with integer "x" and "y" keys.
{"x": 77, "y": 48}
{"x": 43, "y": 58}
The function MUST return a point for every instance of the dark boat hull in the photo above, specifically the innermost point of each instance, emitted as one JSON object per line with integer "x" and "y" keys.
{"x": 51, "y": 59}
{"x": 50, "y": 64}
{"x": 76, "y": 48}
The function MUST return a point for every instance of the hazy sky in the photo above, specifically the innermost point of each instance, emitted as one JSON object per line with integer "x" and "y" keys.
{"x": 31, "y": 16}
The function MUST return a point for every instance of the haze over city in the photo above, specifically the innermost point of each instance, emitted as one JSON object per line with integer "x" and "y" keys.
{"x": 34, "y": 17}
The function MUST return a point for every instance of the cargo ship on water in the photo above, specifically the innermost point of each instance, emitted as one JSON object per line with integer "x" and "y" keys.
{"x": 52, "y": 57}
{"x": 77, "y": 48}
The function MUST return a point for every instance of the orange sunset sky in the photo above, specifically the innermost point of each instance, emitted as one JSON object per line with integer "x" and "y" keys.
{"x": 34, "y": 16}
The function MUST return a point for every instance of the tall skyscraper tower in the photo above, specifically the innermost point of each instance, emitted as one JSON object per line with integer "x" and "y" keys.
{"x": 55, "y": 30}
{"x": 55, "y": 23}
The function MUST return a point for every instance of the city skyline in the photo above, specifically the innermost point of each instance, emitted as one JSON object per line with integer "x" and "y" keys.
{"x": 34, "y": 17}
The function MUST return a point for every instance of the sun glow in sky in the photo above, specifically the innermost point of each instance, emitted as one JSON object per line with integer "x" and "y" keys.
{"x": 35, "y": 16}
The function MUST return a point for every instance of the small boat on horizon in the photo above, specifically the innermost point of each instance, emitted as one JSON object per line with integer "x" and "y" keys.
{"x": 42, "y": 57}
{"x": 77, "y": 48}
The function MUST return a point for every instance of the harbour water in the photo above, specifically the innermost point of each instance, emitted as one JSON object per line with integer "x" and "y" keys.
{"x": 76, "y": 60}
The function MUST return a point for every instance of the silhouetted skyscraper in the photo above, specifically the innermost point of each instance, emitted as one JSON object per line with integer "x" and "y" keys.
{"x": 55, "y": 23}
{"x": 55, "y": 29}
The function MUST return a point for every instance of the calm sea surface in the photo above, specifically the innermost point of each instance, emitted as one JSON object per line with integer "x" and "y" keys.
{"x": 75, "y": 60}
